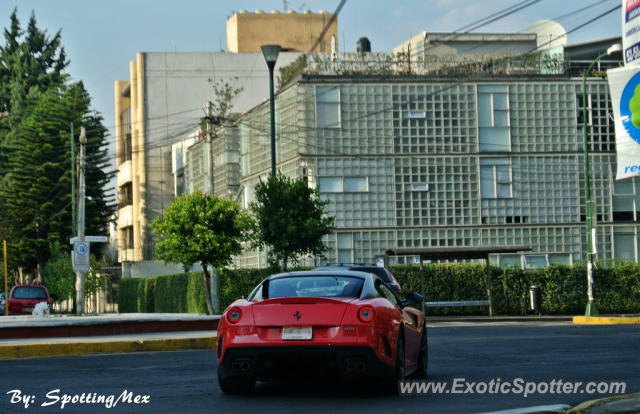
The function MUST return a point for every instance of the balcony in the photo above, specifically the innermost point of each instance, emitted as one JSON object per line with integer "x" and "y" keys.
{"x": 125, "y": 255}
{"x": 125, "y": 216}
{"x": 124, "y": 173}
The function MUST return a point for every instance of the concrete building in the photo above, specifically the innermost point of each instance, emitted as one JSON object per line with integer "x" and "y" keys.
{"x": 436, "y": 161}
{"x": 428, "y": 52}
{"x": 161, "y": 103}
{"x": 246, "y": 32}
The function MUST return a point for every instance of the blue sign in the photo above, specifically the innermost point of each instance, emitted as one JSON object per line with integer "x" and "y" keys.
{"x": 630, "y": 107}
{"x": 81, "y": 248}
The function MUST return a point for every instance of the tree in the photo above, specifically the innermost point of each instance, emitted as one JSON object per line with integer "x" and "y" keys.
{"x": 36, "y": 197}
{"x": 35, "y": 176}
{"x": 36, "y": 61}
{"x": 58, "y": 275}
{"x": 201, "y": 228}
{"x": 290, "y": 219}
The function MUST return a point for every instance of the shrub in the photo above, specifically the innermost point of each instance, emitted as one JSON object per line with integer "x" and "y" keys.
{"x": 563, "y": 288}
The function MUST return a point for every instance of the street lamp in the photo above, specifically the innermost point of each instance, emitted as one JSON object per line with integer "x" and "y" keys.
{"x": 270, "y": 53}
{"x": 69, "y": 124}
{"x": 592, "y": 308}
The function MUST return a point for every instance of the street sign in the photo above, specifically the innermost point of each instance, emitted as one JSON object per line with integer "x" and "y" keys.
{"x": 80, "y": 256}
{"x": 91, "y": 239}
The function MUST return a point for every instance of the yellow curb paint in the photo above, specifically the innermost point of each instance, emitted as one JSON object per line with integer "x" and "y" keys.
{"x": 604, "y": 320}
{"x": 82, "y": 348}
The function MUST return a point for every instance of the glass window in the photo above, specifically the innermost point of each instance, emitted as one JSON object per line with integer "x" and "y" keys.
{"x": 487, "y": 186}
{"x": 345, "y": 240}
{"x": 330, "y": 184}
{"x": 343, "y": 184}
{"x": 624, "y": 247}
{"x": 327, "y": 107}
{"x": 510, "y": 261}
{"x": 485, "y": 110}
{"x": 561, "y": 258}
{"x": 385, "y": 292}
{"x": 494, "y": 139}
{"x": 355, "y": 184}
{"x": 29, "y": 292}
{"x": 314, "y": 286}
{"x": 623, "y": 187}
{"x": 495, "y": 178}
{"x": 534, "y": 261}
{"x": 493, "y": 118}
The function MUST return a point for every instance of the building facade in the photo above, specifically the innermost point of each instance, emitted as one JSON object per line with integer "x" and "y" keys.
{"x": 246, "y": 32}
{"x": 161, "y": 103}
{"x": 418, "y": 161}
{"x": 164, "y": 99}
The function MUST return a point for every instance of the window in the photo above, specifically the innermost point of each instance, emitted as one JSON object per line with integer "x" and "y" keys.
{"x": 179, "y": 184}
{"x": 343, "y": 184}
{"x": 624, "y": 200}
{"x": 510, "y": 261}
{"x": 495, "y": 178}
{"x": 535, "y": 261}
{"x": 623, "y": 246}
{"x": 318, "y": 286}
{"x": 345, "y": 248}
{"x": 355, "y": 184}
{"x": 385, "y": 292}
{"x": 125, "y": 195}
{"x": 493, "y": 118}
{"x": 327, "y": 107}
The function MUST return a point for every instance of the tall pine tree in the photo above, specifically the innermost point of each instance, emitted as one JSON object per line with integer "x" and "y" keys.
{"x": 35, "y": 176}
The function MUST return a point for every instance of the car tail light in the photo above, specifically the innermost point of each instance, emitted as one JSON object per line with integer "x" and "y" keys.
{"x": 366, "y": 314}
{"x": 234, "y": 315}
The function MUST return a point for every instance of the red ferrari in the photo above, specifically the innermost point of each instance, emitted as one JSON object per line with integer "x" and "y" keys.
{"x": 341, "y": 324}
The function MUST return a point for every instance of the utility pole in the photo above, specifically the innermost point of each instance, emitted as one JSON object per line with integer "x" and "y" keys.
{"x": 209, "y": 143}
{"x": 6, "y": 279}
{"x": 81, "y": 193}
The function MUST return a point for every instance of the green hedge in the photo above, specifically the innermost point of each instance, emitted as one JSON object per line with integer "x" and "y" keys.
{"x": 564, "y": 289}
{"x": 184, "y": 292}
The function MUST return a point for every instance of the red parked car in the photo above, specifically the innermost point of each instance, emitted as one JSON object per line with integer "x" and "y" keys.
{"x": 23, "y": 298}
{"x": 344, "y": 324}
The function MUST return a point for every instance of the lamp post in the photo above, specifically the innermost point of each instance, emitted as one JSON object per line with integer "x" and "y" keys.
{"x": 592, "y": 308}
{"x": 270, "y": 53}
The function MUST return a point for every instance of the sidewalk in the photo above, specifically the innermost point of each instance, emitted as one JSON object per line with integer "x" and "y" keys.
{"x": 161, "y": 341}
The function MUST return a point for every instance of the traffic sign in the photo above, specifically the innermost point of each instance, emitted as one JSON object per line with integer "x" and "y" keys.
{"x": 91, "y": 239}
{"x": 80, "y": 256}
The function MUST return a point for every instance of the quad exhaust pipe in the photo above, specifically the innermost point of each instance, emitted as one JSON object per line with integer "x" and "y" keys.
{"x": 353, "y": 366}
{"x": 240, "y": 365}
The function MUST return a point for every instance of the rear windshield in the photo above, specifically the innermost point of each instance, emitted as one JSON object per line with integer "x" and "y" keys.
{"x": 29, "y": 292}
{"x": 313, "y": 286}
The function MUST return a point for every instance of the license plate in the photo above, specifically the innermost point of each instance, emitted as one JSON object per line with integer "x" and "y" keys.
{"x": 297, "y": 333}
{"x": 28, "y": 309}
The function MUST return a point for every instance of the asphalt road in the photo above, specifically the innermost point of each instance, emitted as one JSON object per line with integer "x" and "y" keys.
{"x": 186, "y": 381}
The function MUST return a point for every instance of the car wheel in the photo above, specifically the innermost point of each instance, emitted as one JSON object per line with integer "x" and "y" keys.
{"x": 423, "y": 357}
{"x": 236, "y": 385}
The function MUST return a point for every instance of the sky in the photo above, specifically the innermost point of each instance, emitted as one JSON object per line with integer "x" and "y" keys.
{"x": 101, "y": 37}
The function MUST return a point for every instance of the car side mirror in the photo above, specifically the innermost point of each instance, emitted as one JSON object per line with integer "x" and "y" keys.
{"x": 412, "y": 299}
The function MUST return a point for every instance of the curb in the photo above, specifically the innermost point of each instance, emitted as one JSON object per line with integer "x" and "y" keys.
{"x": 106, "y": 347}
{"x": 605, "y": 320}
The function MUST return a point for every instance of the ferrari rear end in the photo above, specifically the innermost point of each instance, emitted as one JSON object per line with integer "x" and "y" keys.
{"x": 322, "y": 328}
